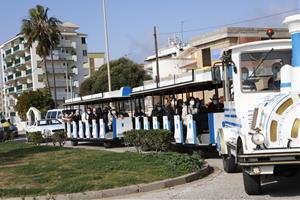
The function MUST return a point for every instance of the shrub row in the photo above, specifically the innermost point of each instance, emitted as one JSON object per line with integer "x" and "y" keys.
{"x": 37, "y": 138}
{"x": 152, "y": 140}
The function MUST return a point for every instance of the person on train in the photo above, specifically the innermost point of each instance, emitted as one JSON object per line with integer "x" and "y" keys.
{"x": 178, "y": 105}
{"x": 248, "y": 85}
{"x": 77, "y": 118}
{"x": 185, "y": 112}
{"x": 138, "y": 112}
{"x": 158, "y": 112}
{"x": 169, "y": 111}
{"x": 112, "y": 113}
{"x": 192, "y": 107}
{"x": 215, "y": 105}
{"x": 105, "y": 116}
{"x": 90, "y": 117}
{"x": 95, "y": 115}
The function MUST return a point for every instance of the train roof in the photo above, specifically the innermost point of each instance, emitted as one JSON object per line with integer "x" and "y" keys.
{"x": 187, "y": 82}
{"x": 117, "y": 95}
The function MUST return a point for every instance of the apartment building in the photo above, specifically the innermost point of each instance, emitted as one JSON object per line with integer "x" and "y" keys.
{"x": 23, "y": 69}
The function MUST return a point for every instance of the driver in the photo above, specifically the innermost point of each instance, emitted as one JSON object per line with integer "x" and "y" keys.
{"x": 247, "y": 84}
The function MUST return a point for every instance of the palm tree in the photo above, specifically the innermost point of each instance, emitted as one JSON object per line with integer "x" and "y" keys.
{"x": 43, "y": 30}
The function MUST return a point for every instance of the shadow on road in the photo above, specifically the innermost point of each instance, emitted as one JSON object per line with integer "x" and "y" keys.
{"x": 282, "y": 186}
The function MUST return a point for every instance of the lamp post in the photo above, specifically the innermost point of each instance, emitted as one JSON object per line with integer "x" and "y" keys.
{"x": 106, "y": 45}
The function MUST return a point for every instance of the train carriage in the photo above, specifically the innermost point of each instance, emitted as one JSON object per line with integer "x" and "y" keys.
{"x": 99, "y": 131}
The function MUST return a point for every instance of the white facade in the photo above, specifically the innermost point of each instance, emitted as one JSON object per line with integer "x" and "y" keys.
{"x": 23, "y": 69}
{"x": 170, "y": 63}
{"x": 95, "y": 61}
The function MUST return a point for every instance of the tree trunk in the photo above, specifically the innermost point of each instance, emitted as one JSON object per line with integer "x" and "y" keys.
{"x": 54, "y": 80}
{"x": 46, "y": 72}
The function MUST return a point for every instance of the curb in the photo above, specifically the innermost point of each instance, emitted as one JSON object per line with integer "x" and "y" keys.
{"x": 145, "y": 187}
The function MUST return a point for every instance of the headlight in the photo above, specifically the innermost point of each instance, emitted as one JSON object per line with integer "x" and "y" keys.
{"x": 258, "y": 138}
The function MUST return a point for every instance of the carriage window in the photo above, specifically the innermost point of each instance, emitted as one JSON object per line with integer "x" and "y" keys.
{"x": 260, "y": 71}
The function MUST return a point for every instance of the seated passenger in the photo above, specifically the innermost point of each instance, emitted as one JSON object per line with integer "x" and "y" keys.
{"x": 247, "y": 84}
{"x": 215, "y": 105}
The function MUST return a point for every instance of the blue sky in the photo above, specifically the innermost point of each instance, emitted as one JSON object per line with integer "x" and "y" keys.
{"x": 130, "y": 22}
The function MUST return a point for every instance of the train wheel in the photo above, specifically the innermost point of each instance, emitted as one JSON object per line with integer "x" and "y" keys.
{"x": 74, "y": 143}
{"x": 108, "y": 144}
{"x": 252, "y": 184}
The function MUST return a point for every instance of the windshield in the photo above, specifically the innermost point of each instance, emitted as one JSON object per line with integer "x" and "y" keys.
{"x": 260, "y": 71}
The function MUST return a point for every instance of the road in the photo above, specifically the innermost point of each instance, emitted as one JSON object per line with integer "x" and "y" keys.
{"x": 221, "y": 185}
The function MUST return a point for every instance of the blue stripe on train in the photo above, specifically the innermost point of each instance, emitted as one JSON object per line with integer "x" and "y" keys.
{"x": 211, "y": 127}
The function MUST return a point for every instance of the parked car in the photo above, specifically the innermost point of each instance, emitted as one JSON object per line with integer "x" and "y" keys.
{"x": 46, "y": 126}
{"x": 54, "y": 114}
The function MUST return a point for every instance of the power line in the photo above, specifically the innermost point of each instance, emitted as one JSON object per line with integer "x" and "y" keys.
{"x": 230, "y": 24}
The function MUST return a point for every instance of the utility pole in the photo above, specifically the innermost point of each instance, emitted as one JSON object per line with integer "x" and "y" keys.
{"x": 71, "y": 86}
{"x": 182, "y": 22}
{"x": 156, "y": 56}
{"x": 67, "y": 83}
{"x": 106, "y": 45}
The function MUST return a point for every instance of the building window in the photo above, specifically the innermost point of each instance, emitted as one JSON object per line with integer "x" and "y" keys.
{"x": 84, "y": 52}
{"x": 206, "y": 57}
{"x": 83, "y": 41}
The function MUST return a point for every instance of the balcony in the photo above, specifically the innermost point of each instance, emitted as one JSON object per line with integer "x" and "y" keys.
{"x": 29, "y": 85}
{"x": 66, "y": 44}
{"x": 10, "y": 90}
{"x": 18, "y": 74}
{"x": 10, "y": 77}
{"x": 19, "y": 62}
{"x": 27, "y": 58}
{"x": 28, "y": 72}
{"x": 8, "y": 52}
{"x": 19, "y": 88}
{"x": 18, "y": 48}
{"x": 9, "y": 65}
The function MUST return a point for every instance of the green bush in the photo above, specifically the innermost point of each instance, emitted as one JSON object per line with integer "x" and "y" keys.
{"x": 134, "y": 138}
{"x": 185, "y": 162}
{"x": 153, "y": 140}
{"x": 35, "y": 137}
{"x": 59, "y": 137}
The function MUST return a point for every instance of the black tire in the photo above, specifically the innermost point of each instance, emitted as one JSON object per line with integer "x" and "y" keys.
{"x": 74, "y": 143}
{"x": 229, "y": 164}
{"x": 252, "y": 184}
{"x": 108, "y": 144}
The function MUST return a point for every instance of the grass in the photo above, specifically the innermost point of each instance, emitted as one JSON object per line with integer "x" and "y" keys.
{"x": 36, "y": 170}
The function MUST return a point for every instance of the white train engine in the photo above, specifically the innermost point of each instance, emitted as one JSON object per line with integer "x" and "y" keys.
{"x": 261, "y": 123}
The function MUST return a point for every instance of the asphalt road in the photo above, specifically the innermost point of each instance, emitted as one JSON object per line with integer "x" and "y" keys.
{"x": 221, "y": 185}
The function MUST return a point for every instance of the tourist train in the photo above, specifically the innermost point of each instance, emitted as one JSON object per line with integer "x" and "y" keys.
{"x": 257, "y": 131}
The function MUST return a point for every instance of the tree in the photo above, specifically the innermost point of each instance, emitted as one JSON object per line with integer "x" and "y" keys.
{"x": 39, "y": 27}
{"x": 124, "y": 72}
{"x": 40, "y": 99}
